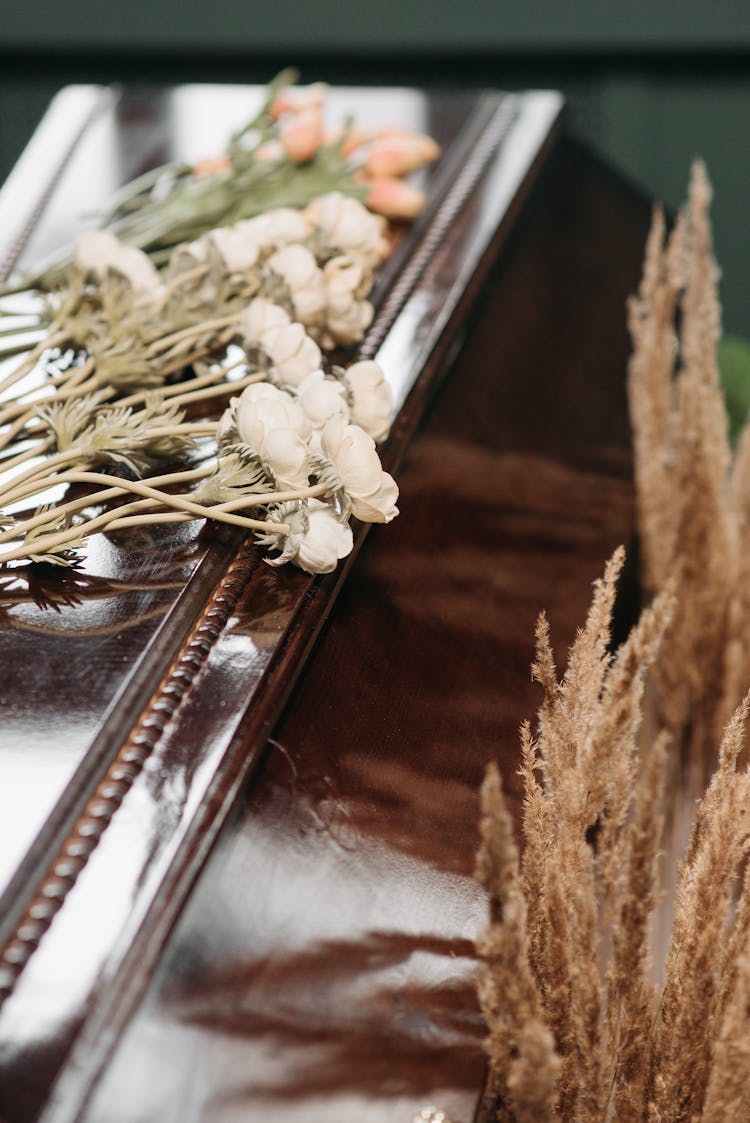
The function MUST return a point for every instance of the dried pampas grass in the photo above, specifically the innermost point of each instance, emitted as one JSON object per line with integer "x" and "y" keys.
{"x": 693, "y": 493}
{"x": 577, "y": 1028}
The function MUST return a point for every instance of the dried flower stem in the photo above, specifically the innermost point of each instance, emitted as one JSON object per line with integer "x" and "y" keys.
{"x": 48, "y": 543}
{"x": 23, "y": 527}
{"x": 39, "y": 448}
{"x": 50, "y": 340}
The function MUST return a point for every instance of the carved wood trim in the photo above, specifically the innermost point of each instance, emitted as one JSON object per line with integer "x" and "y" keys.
{"x": 80, "y": 125}
{"x": 118, "y": 779}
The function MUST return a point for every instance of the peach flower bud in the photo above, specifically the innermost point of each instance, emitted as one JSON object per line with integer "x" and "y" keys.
{"x": 393, "y": 198}
{"x": 295, "y": 99}
{"x": 212, "y": 165}
{"x": 302, "y": 136}
{"x": 354, "y": 139}
{"x": 400, "y": 154}
{"x": 271, "y": 150}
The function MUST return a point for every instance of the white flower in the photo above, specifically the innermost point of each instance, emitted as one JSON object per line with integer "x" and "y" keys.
{"x": 274, "y": 425}
{"x": 98, "y": 251}
{"x": 373, "y": 492}
{"x": 186, "y": 257}
{"x": 298, "y": 269}
{"x": 259, "y": 317}
{"x": 322, "y": 398}
{"x": 292, "y": 354}
{"x": 280, "y": 227}
{"x": 347, "y": 315}
{"x": 371, "y": 398}
{"x": 237, "y": 252}
{"x": 345, "y": 224}
{"x": 318, "y": 539}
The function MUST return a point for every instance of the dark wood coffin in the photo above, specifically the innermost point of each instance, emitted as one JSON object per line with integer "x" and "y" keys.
{"x": 239, "y": 805}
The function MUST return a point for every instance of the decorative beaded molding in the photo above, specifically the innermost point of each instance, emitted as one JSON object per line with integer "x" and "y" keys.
{"x": 16, "y": 247}
{"x": 122, "y": 772}
{"x": 100, "y": 809}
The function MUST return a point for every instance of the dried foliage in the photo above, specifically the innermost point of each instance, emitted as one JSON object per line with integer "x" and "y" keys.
{"x": 693, "y": 495}
{"x": 577, "y": 1028}
{"x": 566, "y": 953}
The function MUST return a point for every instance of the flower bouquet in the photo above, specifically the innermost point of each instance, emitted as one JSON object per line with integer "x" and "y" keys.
{"x": 192, "y": 356}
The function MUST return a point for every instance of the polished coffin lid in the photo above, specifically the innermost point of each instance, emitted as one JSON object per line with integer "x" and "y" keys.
{"x": 134, "y": 695}
{"x": 323, "y": 970}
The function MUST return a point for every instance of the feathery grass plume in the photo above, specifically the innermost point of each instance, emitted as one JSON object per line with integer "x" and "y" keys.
{"x": 586, "y": 853}
{"x": 692, "y": 520}
{"x": 686, "y": 1018}
{"x": 594, "y": 812}
{"x": 630, "y": 996}
{"x": 728, "y": 1092}
{"x": 524, "y": 1063}
{"x": 737, "y": 649}
{"x": 650, "y": 375}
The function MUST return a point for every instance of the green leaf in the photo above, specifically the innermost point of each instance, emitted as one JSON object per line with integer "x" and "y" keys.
{"x": 734, "y": 368}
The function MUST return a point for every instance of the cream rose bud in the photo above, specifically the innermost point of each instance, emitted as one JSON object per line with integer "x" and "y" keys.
{"x": 371, "y": 398}
{"x": 299, "y": 270}
{"x": 259, "y": 317}
{"x": 280, "y": 227}
{"x": 347, "y": 225}
{"x": 186, "y": 257}
{"x": 347, "y": 315}
{"x": 98, "y": 251}
{"x": 292, "y": 354}
{"x": 262, "y": 407}
{"x": 380, "y": 506}
{"x": 273, "y": 424}
{"x": 324, "y": 543}
{"x": 322, "y": 398}
{"x": 238, "y": 254}
{"x": 373, "y": 492}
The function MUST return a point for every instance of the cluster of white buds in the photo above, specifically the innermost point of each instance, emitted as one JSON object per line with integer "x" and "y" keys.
{"x": 312, "y": 431}
{"x": 99, "y": 253}
{"x": 304, "y": 439}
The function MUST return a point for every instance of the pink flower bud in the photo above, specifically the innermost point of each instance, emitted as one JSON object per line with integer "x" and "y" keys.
{"x": 355, "y": 138}
{"x": 400, "y": 154}
{"x": 393, "y": 198}
{"x": 294, "y": 100}
{"x": 212, "y": 165}
{"x": 303, "y": 135}
{"x": 271, "y": 150}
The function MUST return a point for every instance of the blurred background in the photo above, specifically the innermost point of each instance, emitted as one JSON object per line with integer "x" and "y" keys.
{"x": 649, "y": 85}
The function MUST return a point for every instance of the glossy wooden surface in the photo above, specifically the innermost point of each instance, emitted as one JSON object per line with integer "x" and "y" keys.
{"x": 172, "y": 699}
{"x": 322, "y": 970}
{"x": 109, "y": 632}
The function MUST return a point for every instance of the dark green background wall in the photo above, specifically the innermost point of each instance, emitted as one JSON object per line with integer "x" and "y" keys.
{"x": 649, "y": 84}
